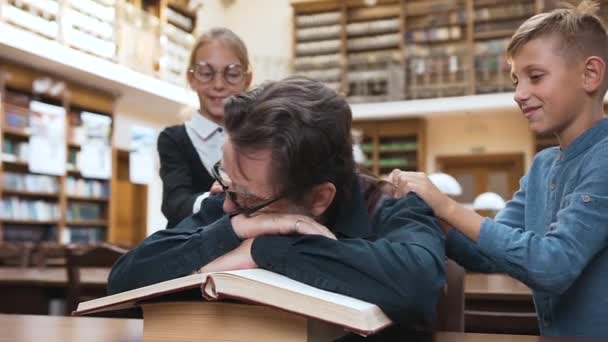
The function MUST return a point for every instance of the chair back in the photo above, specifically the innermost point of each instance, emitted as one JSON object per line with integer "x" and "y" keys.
{"x": 15, "y": 254}
{"x": 450, "y": 309}
{"x": 87, "y": 256}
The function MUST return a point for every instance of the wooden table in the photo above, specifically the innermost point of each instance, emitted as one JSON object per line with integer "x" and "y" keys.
{"x": 28, "y": 328}
{"x": 495, "y": 286}
{"x": 30, "y": 290}
{"x": 51, "y": 276}
{"x": 497, "y": 303}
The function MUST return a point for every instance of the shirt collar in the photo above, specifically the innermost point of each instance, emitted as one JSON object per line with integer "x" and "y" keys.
{"x": 202, "y": 126}
{"x": 586, "y": 140}
{"x": 352, "y": 219}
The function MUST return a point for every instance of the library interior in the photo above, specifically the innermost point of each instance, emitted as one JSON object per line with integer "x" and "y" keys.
{"x": 87, "y": 87}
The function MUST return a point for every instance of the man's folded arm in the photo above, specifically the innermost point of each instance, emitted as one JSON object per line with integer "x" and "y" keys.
{"x": 172, "y": 253}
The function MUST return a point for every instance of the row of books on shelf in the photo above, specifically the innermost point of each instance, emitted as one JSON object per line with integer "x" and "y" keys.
{"x": 398, "y": 146}
{"x": 29, "y": 182}
{"x": 21, "y": 233}
{"x": 381, "y": 41}
{"x": 317, "y": 19}
{"x": 83, "y": 234}
{"x": 178, "y": 19}
{"x": 31, "y": 18}
{"x": 319, "y": 32}
{"x": 435, "y": 34}
{"x": 318, "y": 47}
{"x": 512, "y": 10}
{"x": 83, "y": 211}
{"x": 17, "y": 118}
{"x": 316, "y": 62}
{"x": 15, "y": 151}
{"x": 14, "y": 208}
{"x": 86, "y": 187}
{"x": 392, "y": 162}
{"x": 373, "y": 27}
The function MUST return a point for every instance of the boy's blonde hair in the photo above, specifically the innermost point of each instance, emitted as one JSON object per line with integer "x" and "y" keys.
{"x": 581, "y": 31}
{"x": 228, "y": 39}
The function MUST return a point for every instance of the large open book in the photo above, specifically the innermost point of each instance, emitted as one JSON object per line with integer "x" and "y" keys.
{"x": 282, "y": 306}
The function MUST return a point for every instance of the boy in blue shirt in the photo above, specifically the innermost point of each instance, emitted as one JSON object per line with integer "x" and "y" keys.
{"x": 553, "y": 235}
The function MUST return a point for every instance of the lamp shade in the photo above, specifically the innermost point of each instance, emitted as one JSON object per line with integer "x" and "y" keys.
{"x": 488, "y": 201}
{"x": 446, "y": 183}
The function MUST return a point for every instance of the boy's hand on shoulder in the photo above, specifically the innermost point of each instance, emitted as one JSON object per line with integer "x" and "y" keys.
{"x": 420, "y": 184}
{"x": 278, "y": 224}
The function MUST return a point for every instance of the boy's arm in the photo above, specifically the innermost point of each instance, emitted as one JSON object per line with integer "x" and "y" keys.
{"x": 402, "y": 271}
{"x": 552, "y": 261}
{"x": 466, "y": 252}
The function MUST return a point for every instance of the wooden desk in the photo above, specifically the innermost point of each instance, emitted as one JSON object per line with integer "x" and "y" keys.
{"x": 496, "y": 303}
{"x": 496, "y": 287}
{"x": 51, "y": 276}
{"x": 30, "y": 290}
{"x": 26, "y": 328}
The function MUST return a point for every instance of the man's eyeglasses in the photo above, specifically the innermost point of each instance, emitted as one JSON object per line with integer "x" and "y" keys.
{"x": 245, "y": 203}
{"x": 233, "y": 74}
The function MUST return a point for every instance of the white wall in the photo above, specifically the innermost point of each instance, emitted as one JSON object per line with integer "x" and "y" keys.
{"x": 264, "y": 25}
{"x": 505, "y": 132}
{"x": 122, "y": 138}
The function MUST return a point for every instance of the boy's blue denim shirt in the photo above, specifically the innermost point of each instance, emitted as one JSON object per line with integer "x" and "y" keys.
{"x": 553, "y": 236}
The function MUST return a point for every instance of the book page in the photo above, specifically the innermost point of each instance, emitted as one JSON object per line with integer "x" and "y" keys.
{"x": 280, "y": 281}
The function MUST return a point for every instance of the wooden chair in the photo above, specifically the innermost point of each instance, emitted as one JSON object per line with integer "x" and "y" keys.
{"x": 450, "y": 309}
{"x": 15, "y": 254}
{"x": 102, "y": 255}
{"x": 48, "y": 253}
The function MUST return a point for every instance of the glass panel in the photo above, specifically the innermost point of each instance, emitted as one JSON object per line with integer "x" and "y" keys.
{"x": 467, "y": 182}
{"x": 498, "y": 182}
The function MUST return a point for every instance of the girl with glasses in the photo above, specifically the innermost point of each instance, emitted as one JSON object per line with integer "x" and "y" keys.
{"x": 219, "y": 67}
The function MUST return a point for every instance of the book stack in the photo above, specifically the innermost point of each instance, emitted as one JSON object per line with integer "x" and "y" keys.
{"x": 282, "y": 309}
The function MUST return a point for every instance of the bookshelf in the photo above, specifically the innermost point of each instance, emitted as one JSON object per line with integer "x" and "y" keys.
{"x": 408, "y": 49}
{"x": 436, "y": 46}
{"x": 36, "y": 206}
{"x": 319, "y": 47}
{"x": 393, "y": 144}
{"x": 374, "y": 44}
{"x": 494, "y": 23}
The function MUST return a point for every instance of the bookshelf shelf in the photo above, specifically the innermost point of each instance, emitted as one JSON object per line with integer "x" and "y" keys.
{"x": 86, "y": 199}
{"x": 87, "y": 223}
{"x": 393, "y": 144}
{"x": 28, "y": 222}
{"x": 31, "y": 194}
{"x": 11, "y": 132}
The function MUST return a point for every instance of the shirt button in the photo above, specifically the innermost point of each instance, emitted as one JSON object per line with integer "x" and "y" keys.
{"x": 552, "y": 186}
{"x": 586, "y": 198}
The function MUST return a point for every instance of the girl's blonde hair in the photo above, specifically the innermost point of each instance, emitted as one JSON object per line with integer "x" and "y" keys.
{"x": 227, "y": 38}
